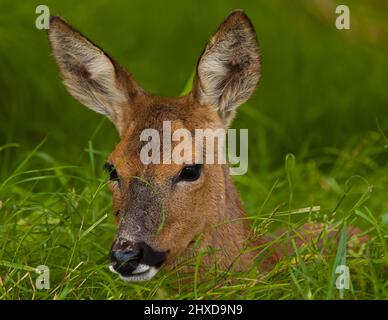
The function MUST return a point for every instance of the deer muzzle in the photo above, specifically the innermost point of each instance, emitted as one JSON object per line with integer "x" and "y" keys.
{"x": 135, "y": 261}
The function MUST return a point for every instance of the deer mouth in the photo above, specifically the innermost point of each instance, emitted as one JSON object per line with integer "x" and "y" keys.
{"x": 135, "y": 262}
{"x": 142, "y": 273}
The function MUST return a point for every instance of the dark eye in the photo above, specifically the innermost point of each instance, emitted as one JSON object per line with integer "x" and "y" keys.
{"x": 112, "y": 171}
{"x": 190, "y": 173}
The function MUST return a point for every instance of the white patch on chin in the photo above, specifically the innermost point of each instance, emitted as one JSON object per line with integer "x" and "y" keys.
{"x": 148, "y": 275}
{"x": 112, "y": 269}
{"x": 142, "y": 273}
{"x": 141, "y": 268}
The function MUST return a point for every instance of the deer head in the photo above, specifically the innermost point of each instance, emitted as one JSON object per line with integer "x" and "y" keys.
{"x": 161, "y": 209}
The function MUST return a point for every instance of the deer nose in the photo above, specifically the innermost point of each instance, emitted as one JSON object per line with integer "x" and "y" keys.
{"x": 125, "y": 262}
{"x": 133, "y": 259}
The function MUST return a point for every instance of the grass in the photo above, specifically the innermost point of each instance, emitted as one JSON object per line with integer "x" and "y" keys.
{"x": 59, "y": 216}
{"x": 317, "y": 139}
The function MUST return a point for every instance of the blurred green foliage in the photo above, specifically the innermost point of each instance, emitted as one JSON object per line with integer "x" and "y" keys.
{"x": 320, "y": 86}
{"x": 323, "y": 97}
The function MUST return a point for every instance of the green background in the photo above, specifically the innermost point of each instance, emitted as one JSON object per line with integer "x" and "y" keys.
{"x": 320, "y": 86}
{"x": 323, "y": 97}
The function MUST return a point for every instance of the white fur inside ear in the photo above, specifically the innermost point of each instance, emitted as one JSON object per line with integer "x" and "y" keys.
{"x": 88, "y": 73}
{"x": 229, "y": 69}
{"x": 213, "y": 71}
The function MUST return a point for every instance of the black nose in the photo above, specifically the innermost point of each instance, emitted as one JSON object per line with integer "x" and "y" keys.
{"x": 126, "y": 257}
{"x": 125, "y": 262}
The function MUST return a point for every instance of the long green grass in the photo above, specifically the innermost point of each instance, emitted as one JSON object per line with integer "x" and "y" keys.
{"x": 59, "y": 216}
{"x": 318, "y": 128}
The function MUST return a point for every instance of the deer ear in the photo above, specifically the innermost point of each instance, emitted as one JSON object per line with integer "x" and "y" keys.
{"x": 89, "y": 74}
{"x": 228, "y": 70}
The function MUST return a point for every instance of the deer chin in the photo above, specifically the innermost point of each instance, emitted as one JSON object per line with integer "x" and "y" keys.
{"x": 142, "y": 273}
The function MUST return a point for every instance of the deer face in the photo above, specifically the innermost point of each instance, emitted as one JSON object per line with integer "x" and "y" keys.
{"x": 160, "y": 208}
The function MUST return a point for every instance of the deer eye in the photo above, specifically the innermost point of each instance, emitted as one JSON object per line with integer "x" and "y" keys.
{"x": 190, "y": 173}
{"x": 112, "y": 171}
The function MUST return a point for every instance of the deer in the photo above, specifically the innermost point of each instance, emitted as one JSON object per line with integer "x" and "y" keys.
{"x": 161, "y": 210}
